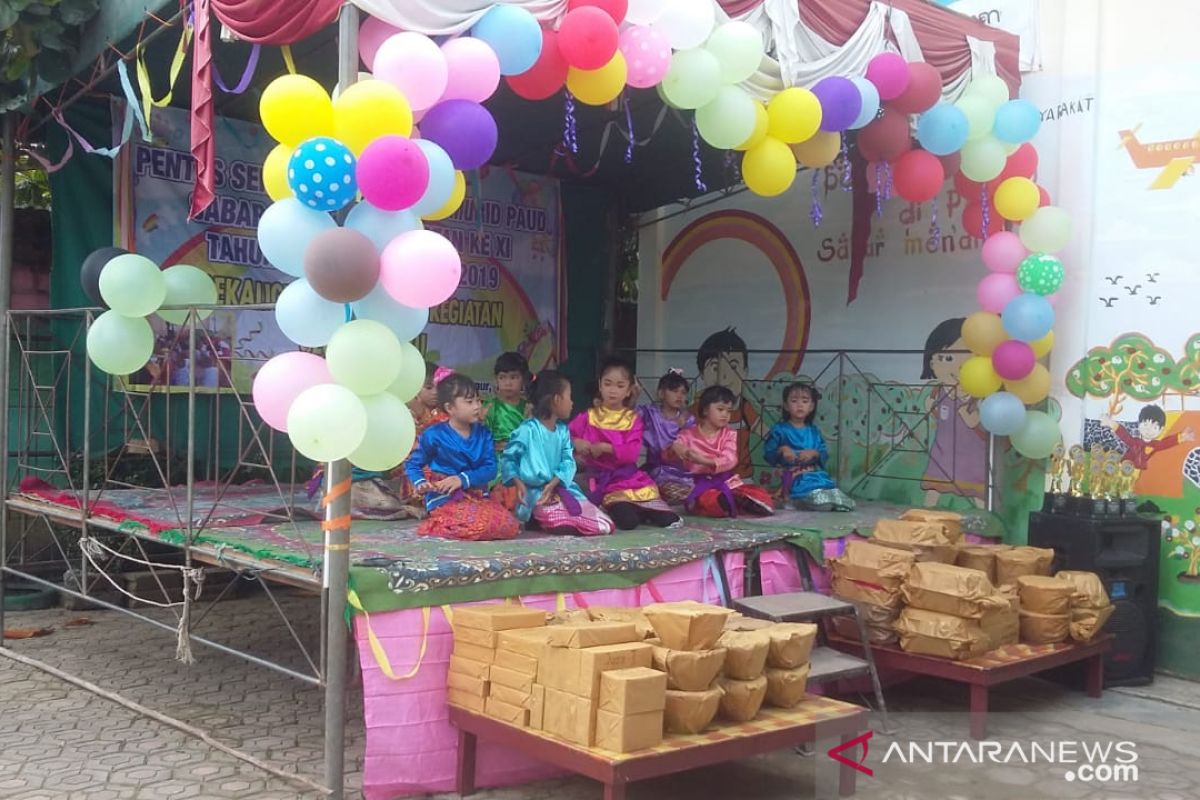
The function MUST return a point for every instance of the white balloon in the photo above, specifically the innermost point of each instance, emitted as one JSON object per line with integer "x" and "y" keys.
{"x": 286, "y": 229}
{"x": 407, "y": 323}
{"x": 644, "y": 12}
{"x": 381, "y": 226}
{"x": 686, "y": 23}
{"x": 305, "y": 317}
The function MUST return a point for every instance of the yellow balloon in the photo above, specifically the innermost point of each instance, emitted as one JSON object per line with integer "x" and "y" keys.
{"x": 819, "y": 151}
{"x": 275, "y": 172}
{"x": 456, "y": 198}
{"x": 760, "y": 128}
{"x": 368, "y": 110}
{"x": 598, "y": 87}
{"x": 1043, "y": 345}
{"x": 1017, "y": 199}
{"x": 982, "y": 332}
{"x": 295, "y": 108}
{"x": 978, "y": 378}
{"x": 794, "y": 115}
{"x": 1033, "y": 388}
{"x": 770, "y": 168}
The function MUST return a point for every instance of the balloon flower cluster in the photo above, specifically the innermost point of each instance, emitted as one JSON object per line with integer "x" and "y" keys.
{"x": 132, "y": 287}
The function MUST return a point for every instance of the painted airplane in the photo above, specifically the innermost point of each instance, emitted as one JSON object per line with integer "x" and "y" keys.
{"x": 1174, "y": 156}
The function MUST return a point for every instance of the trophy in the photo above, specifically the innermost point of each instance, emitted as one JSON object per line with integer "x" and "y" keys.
{"x": 1127, "y": 476}
{"x": 1097, "y": 457}
{"x": 1055, "y": 501}
{"x": 1076, "y": 465}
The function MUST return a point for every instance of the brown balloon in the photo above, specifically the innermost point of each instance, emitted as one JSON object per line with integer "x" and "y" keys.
{"x": 341, "y": 265}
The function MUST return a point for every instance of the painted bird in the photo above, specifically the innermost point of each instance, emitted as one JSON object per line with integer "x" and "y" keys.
{"x": 1133, "y": 289}
{"x": 1108, "y": 301}
{"x": 1113, "y": 280}
{"x": 1154, "y": 298}
{"x": 1152, "y": 277}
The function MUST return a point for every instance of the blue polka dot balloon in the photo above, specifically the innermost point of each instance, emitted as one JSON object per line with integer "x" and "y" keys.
{"x": 321, "y": 173}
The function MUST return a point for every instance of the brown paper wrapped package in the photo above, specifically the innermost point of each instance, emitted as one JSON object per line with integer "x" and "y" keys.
{"x": 592, "y": 634}
{"x": 498, "y": 617}
{"x": 687, "y": 625}
{"x": 527, "y": 641}
{"x": 742, "y": 699}
{"x": 476, "y": 669}
{"x": 1087, "y": 622}
{"x": 569, "y": 717}
{"x": 473, "y": 652}
{"x": 477, "y": 637}
{"x": 537, "y": 706}
{"x": 847, "y": 628}
{"x": 617, "y": 614}
{"x": 691, "y": 712}
{"x": 981, "y": 557}
{"x": 873, "y": 563}
{"x": 785, "y": 687}
{"x": 514, "y": 715}
{"x": 909, "y": 532}
{"x": 1003, "y": 625}
{"x": 1044, "y": 595}
{"x": 578, "y": 671}
{"x": 950, "y": 520}
{"x": 514, "y": 697}
{"x": 951, "y": 590}
{"x": 1089, "y": 589}
{"x": 689, "y": 671}
{"x": 739, "y": 622}
{"x": 860, "y": 592}
{"x": 471, "y": 702}
{"x": 527, "y": 665}
{"x": 626, "y": 733}
{"x": 791, "y": 644}
{"x": 571, "y": 616}
{"x": 1012, "y": 564}
{"x": 745, "y": 653}
{"x": 936, "y": 634}
{"x": 632, "y": 691}
{"x": 1044, "y": 628}
{"x": 467, "y": 684}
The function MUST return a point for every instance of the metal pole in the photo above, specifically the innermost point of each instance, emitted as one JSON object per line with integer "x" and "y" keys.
{"x": 336, "y": 564}
{"x": 86, "y": 479}
{"x": 8, "y": 188}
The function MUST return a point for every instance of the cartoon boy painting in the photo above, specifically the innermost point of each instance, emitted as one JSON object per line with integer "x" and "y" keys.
{"x": 722, "y": 360}
{"x": 958, "y": 455}
{"x": 1151, "y": 421}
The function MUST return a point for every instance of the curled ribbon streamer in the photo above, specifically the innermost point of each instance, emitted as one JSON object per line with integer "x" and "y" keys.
{"x": 983, "y": 204}
{"x": 629, "y": 128}
{"x": 935, "y": 230}
{"x": 143, "y": 74}
{"x": 247, "y": 74}
{"x": 815, "y": 212}
{"x": 569, "y": 139}
{"x": 699, "y": 165}
{"x": 845, "y": 156}
{"x": 878, "y": 189}
{"x": 289, "y": 62}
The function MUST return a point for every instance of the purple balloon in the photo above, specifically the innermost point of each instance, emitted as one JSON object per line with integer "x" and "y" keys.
{"x": 465, "y": 130}
{"x": 840, "y": 103}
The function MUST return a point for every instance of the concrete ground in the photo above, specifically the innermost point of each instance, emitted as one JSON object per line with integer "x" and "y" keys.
{"x": 58, "y": 741}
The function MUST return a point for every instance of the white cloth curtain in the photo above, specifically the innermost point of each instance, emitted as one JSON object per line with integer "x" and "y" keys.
{"x": 444, "y": 17}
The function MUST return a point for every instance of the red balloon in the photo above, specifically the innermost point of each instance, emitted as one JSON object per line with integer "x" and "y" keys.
{"x": 1022, "y": 163}
{"x": 971, "y": 191}
{"x": 614, "y": 8}
{"x": 972, "y": 220}
{"x": 887, "y": 138}
{"x": 546, "y": 76}
{"x": 923, "y": 91}
{"x": 918, "y": 176}
{"x": 587, "y": 37}
{"x": 1043, "y": 197}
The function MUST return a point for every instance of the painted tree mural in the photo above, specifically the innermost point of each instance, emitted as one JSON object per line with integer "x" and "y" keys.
{"x": 1183, "y": 543}
{"x": 1132, "y": 366}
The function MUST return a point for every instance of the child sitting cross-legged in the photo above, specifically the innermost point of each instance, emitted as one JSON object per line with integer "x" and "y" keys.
{"x": 709, "y": 451}
{"x": 507, "y": 408}
{"x": 796, "y": 444}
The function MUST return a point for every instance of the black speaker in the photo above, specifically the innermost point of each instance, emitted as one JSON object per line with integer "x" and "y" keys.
{"x": 1123, "y": 551}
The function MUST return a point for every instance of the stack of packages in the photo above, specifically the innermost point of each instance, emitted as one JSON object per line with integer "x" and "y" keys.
{"x": 946, "y": 609}
{"x": 927, "y": 540}
{"x": 476, "y": 661}
{"x": 950, "y": 520}
{"x": 1045, "y": 608}
{"x": 743, "y": 684}
{"x": 787, "y": 662}
{"x": 1014, "y": 562}
{"x": 981, "y": 557}
{"x": 1090, "y": 606}
{"x": 870, "y": 576}
{"x": 686, "y": 650}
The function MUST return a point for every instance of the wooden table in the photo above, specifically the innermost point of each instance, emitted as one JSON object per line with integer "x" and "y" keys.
{"x": 773, "y": 729}
{"x": 993, "y": 668}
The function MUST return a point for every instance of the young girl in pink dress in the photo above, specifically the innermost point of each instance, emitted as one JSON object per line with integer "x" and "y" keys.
{"x": 662, "y": 422}
{"x": 709, "y": 452}
{"x": 608, "y": 441}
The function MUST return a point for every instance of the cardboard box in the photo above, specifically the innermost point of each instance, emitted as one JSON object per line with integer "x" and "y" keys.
{"x": 692, "y": 671}
{"x": 466, "y": 700}
{"x": 511, "y": 678}
{"x": 526, "y": 641}
{"x": 618, "y": 614}
{"x": 786, "y": 687}
{"x": 742, "y": 699}
{"x": 981, "y": 557}
{"x": 569, "y": 716}
{"x": 745, "y": 653}
{"x": 1087, "y": 622}
{"x": 578, "y": 671}
{"x": 691, "y": 712}
{"x": 952, "y": 590}
{"x": 1012, "y": 564}
{"x": 632, "y": 691}
{"x": 950, "y": 520}
{"x": 477, "y": 637}
{"x": 498, "y": 617}
{"x": 466, "y": 666}
{"x": 687, "y": 625}
{"x": 474, "y": 652}
{"x": 507, "y": 694}
{"x": 1044, "y": 628}
{"x": 626, "y": 733}
{"x": 791, "y": 644}
{"x": 467, "y": 684}
{"x": 860, "y": 592}
{"x": 514, "y": 715}
{"x": 1045, "y": 595}
{"x": 935, "y": 634}
{"x": 1089, "y": 589}
{"x": 537, "y": 706}
{"x": 526, "y": 665}
{"x": 592, "y": 634}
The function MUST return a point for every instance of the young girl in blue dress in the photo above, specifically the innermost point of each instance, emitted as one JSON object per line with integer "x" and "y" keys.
{"x": 796, "y": 445}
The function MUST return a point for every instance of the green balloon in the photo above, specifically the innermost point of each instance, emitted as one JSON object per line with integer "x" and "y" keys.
{"x": 187, "y": 286}
{"x": 120, "y": 345}
{"x": 990, "y": 89}
{"x": 1040, "y": 273}
{"x": 327, "y": 422}
{"x": 738, "y": 47}
{"x": 390, "y": 434}
{"x": 364, "y": 355}
{"x": 412, "y": 373}
{"x": 980, "y": 116}
{"x": 1038, "y": 437}
{"x": 693, "y": 78}
{"x": 132, "y": 285}
{"x": 982, "y": 159}
{"x": 1047, "y": 231}
{"x": 728, "y": 120}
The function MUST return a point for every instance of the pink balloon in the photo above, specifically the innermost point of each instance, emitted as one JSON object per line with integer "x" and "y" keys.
{"x": 587, "y": 37}
{"x": 371, "y": 34}
{"x": 393, "y": 173}
{"x": 281, "y": 380}
{"x": 420, "y": 269}
{"x": 415, "y": 65}
{"x": 996, "y": 290}
{"x": 1013, "y": 360}
{"x": 647, "y": 55}
{"x": 473, "y": 71}
{"x": 889, "y": 73}
{"x": 1003, "y": 252}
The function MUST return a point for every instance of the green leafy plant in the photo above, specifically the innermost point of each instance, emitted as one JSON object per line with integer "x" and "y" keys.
{"x": 33, "y": 184}
{"x": 39, "y": 40}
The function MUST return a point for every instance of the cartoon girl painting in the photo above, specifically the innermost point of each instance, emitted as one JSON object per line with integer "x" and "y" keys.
{"x": 958, "y": 455}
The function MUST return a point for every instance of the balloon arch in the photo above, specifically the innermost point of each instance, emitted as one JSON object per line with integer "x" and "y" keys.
{"x": 393, "y": 148}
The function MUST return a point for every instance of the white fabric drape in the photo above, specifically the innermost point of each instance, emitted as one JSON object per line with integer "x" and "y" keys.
{"x": 443, "y": 17}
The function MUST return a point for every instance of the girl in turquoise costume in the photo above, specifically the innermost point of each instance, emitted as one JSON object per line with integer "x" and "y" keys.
{"x": 796, "y": 445}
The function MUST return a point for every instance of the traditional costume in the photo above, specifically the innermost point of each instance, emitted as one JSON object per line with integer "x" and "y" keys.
{"x": 659, "y": 432}
{"x": 535, "y": 455}
{"x": 719, "y": 491}
{"x": 503, "y": 418}
{"x": 807, "y": 484}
